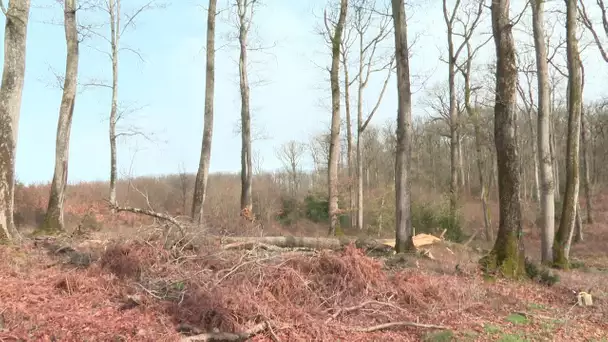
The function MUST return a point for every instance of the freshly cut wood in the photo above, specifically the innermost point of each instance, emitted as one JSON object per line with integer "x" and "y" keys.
{"x": 419, "y": 240}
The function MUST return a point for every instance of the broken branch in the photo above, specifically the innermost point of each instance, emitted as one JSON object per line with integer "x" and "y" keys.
{"x": 228, "y": 337}
{"x": 150, "y": 213}
{"x": 399, "y": 325}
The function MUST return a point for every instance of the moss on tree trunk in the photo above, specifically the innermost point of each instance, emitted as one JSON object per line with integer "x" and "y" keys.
{"x": 506, "y": 258}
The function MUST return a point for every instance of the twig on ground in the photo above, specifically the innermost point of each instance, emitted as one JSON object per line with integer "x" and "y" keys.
{"x": 229, "y": 337}
{"x": 527, "y": 314}
{"x": 472, "y": 238}
{"x": 359, "y": 306}
{"x": 149, "y": 292}
{"x": 273, "y": 336}
{"x": 398, "y": 325}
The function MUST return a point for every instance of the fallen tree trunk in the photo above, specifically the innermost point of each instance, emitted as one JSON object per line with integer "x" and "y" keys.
{"x": 249, "y": 242}
{"x": 242, "y": 242}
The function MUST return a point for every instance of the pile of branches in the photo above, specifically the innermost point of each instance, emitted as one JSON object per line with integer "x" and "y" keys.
{"x": 234, "y": 295}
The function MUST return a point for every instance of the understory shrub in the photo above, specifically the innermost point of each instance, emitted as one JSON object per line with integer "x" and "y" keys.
{"x": 433, "y": 218}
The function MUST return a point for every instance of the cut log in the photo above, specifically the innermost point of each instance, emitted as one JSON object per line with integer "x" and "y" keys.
{"x": 419, "y": 240}
{"x": 303, "y": 242}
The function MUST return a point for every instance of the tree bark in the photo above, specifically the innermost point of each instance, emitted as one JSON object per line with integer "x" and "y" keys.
{"x": 545, "y": 161}
{"x": 403, "y": 220}
{"x": 246, "y": 168}
{"x": 15, "y": 33}
{"x": 334, "y": 146}
{"x": 561, "y": 244}
{"x": 585, "y": 156}
{"x": 578, "y": 236}
{"x": 507, "y": 256}
{"x": 114, "y": 9}
{"x": 202, "y": 175}
{"x": 54, "y": 214}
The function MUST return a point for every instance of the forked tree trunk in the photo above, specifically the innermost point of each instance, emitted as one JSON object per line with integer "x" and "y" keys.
{"x": 15, "y": 33}
{"x": 403, "y": 220}
{"x": 114, "y": 9}
{"x": 54, "y": 214}
{"x": 200, "y": 185}
{"x": 545, "y": 160}
{"x": 334, "y": 146}
{"x": 507, "y": 256}
{"x": 245, "y": 12}
{"x": 561, "y": 246}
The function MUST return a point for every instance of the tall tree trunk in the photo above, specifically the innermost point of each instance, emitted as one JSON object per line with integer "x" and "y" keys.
{"x": 403, "y": 220}
{"x": 114, "y": 9}
{"x": 561, "y": 245}
{"x": 334, "y": 147}
{"x": 200, "y": 185}
{"x": 246, "y": 167}
{"x": 54, "y": 214}
{"x": 349, "y": 145}
{"x": 15, "y": 33}
{"x": 508, "y": 252}
{"x": 359, "y": 152}
{"x": 585, "y": 156}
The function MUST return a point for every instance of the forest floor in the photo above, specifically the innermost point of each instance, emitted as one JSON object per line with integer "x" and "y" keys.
{"x": 136, "y": 290}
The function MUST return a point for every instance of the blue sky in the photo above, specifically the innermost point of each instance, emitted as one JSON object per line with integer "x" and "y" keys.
{"x": 168, "y": 87}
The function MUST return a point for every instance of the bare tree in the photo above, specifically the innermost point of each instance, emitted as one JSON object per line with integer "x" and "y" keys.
{"x": 200, "y": 185}
{"x": 291, "y": 154}
{"x": 508, "y": 252}
{"x": 454, "y": 51}
{"x": 245, "y": 10}
{"x": 334, "y": 146}
{"x": 403, "y": 219}
{"x": 54, "y": 214}
{"x": 346, "y": 45}
{"x": 15, "y": 33}
{"x": 119, "y": 24}
{"x": 115, "y": 35}
{"x": 368, "y": 64}
{"x": 545, "y": 159}
{"x": 563, "y": 237}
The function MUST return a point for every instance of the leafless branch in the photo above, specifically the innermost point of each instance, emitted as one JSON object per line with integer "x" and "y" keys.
{"x": 584, "y": 17}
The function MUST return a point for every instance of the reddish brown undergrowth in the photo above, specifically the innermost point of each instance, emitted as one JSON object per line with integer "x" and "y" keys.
{"x": 320, "y": 296}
